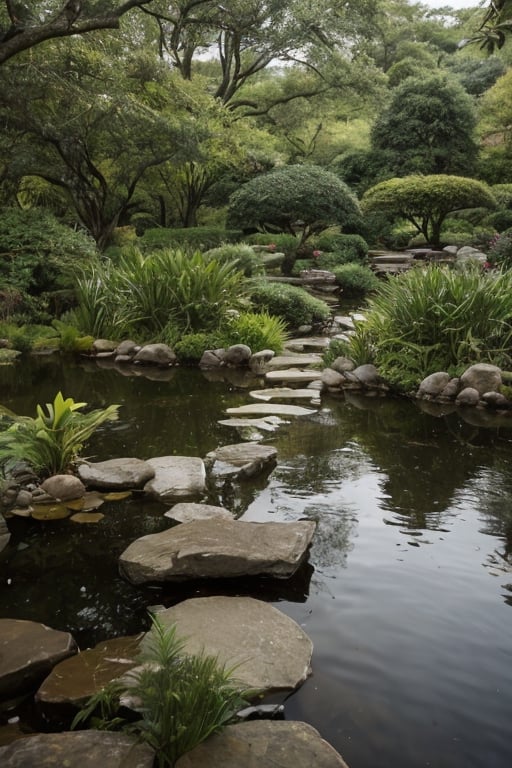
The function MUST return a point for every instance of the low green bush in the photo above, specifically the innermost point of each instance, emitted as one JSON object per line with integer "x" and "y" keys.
{"x": 191, "y": 238}
{"x": 283, "y": 243}
{"x": 356, "y": 280}
{"x": 293, "y": 304}
{"x": 500, "y": 221}
{"x": 190, "y": 348}
{"x": 347, "y": 247}
{"x": 259, "y": 330}
{"x": 240, "y": 254}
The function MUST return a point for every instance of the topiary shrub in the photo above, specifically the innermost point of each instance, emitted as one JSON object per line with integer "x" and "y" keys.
{"x": 356, "y": 280}
{"x": 347, "y": 247}
{"x": 240, "y": 254}
{"x": 293, "y": 304}
{"x": 191, "y": 238}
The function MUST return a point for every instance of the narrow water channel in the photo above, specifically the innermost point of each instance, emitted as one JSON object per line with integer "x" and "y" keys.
{"x": 407, "y": 595}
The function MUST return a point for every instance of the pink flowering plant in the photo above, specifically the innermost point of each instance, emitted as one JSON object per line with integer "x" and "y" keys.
{"x": 499, "y": 253}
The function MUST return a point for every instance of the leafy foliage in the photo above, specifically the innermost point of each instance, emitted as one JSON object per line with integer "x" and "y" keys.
{"x": 434, "y": 319}
{"x": 259, "y": 330}
{"x": 500, "y": 250}
{"x": 426, "y": 201}
{"x": 289, "y": 302}
{"x": 241, "y": 254}
{"x": 52, "y": 441}
{"x": 193, "y": 238}
{"x": 297, "y": 198}
{"x": 182, "y": 698}
{"x": 356, "y": 280}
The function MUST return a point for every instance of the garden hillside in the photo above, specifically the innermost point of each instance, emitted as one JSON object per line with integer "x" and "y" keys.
{"x": 179, "y": 175}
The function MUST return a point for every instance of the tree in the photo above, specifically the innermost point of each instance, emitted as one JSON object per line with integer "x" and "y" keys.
{"x": 428, "y": 127}
{"x": 495, "y": 129}
{"x": 23, "y": 25}
{"x": 297, "y": 198}
{"x": 426, "y": 201}
{"x": 496, "y": 26}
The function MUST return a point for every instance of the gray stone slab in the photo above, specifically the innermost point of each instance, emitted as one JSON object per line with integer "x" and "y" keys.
{"x": 267, "y": 424}
{"x": 217, "y": 549}
{"x": 116, "y": 474}
{"x": 187, "y": 512}
{"x": 264, "y": 744}
{"x": 79, "y": 749}
{"x": 289, "y": 361}
{"x": 268, "y": 649}
{"x": 177, "y": 478}
{"x": 28, "y": 653}
{"x": 241, "y": 460}
{"x": 282, "y": 393}
{"x": 270, "y": 409}
{"x": 293, "y": 375}
{"x": 307, "y": 343}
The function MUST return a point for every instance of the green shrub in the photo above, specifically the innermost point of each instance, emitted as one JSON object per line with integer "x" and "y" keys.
{"x": 347, "y": 247}
{"x": 283, "y": 243}
{"x": 500, "y": 221}
{"x": 436, "y": 319}
{"x": 191, "y": 238}
{"x": 258, "y": 330}
{"x": 356, "y": 280}
{"x": 293, "y": 304}
{"x": 51, "y": 441}
{"x": 190, "y": 348}
{"x": 240, "y": 254}
{"x": 182, "y": 698}
{"x": 499, "y": 252}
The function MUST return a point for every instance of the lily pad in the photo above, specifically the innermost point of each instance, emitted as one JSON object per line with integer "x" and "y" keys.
{"x": 50, "y": 512}
{"x": 119, "y": 496}
{"x": 87, "y": 517}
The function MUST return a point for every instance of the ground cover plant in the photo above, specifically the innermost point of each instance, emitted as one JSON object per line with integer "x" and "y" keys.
{"x": 435, "y": 319}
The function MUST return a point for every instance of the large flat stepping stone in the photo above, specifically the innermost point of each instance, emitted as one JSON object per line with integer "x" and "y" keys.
{"x": 116, "y": 473}
{"x": 293, "y": 375}
{"x": 289, "y": 361}
{"x": 240, "y": 460}
{"x": 80, "y": 749}
{"x": 283, "y": 393}
{"x": 308, "y": 343}
{"x": 177, "y": 478}
{"x": 218, "y": 549}
{"x": 270, "y": 409}
{"x": 187, "y": 512}
{"x": 74, "y": 680}
{"x": 266, "y": 424}
{"x": 264, "y": 744}
{"x": 28, "y": 653}
{"x": 269, "y": 650}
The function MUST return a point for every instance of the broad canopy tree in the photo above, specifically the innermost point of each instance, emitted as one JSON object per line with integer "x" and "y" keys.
{"x": 300, "y": 199}
{"x": 426, "y": 201}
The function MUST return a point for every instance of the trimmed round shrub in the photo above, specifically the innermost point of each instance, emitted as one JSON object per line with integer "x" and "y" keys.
{"x": 240, "y": 254}
{"x": 347, "y": 247}
{"x": 293, "y": 304}
{"x": 356, "y": 280}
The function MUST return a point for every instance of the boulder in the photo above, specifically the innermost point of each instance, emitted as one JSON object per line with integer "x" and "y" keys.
{"x": 28, "y": 653}
{"x": 450, "y": 391}
{"x": 259, "y": 362}
{"x": 342, "y": 364}
{"x": 238, "y": 354}
{"x": 468, "y": 396}
{"x": 218, "y": 549}
{"x": 212, "y": 358}
{"x": 497, "y": 400}
{"x": 482, "y": 377}
{"x": 332, "y": 379}
{"x": 433, "y": 385}
{"x": 4, "y": 533}
{"x": 79, "y": 749}
{"x": 268, "y": 650}
{"x": 187, "y": 512}
{"x": 73, "y": 681}
{"x": 240, "y": 460}
{"x": 264, "y": 744}
{"x": 116, "y": 473}
{"x": 155, "y": 354}
{"x": 63, "y": 487}
{"x": 127, "y": 348}
{"x": 102, "y": 346}
{"x": 368, "y": 375}
{"x": 176, "y": 478}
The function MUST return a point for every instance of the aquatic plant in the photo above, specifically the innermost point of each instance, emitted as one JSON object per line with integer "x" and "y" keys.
{"x": 181, "y": 698}
{"x": 51, "y": 442}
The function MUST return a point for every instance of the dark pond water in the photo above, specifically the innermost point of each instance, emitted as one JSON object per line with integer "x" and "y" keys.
{"x": 408, "y": 592}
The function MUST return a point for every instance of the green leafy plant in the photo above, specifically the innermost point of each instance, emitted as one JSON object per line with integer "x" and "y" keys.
{"x": 52, "y": 441}
{"x": 356, "y": 280}
{"x": 189, "y": 238}
{"x": 293, "y": 304}
{"x": 190, "y": 348}
{"x": 259, "y": 330}
{"x": 241, "y": 254}
{"x": 181, "y": 698}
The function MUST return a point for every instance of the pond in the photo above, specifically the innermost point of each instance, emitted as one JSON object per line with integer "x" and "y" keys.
{"x": 407, "y": 594}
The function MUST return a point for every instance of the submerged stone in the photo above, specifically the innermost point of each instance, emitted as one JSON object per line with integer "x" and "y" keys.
{"x": 187, "y": 512}
{"x": 268, "y": 649}
{"x": 218, "y": 549}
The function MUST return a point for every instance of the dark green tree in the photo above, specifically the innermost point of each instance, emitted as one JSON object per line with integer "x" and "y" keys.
{"x": 301, "y": 199}
{"x": 428, "y": 127}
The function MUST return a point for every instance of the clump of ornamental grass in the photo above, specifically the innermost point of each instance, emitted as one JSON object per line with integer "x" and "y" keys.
{"x": 435, "y": 319}
{"x": 178, "y": 698}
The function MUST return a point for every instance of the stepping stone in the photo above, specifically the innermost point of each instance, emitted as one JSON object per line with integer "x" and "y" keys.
{"x": 283, "y": 393}
{"x": 264, "y": 744}
{"x": 79, "y": 749}
{"x": 240, "y": 460}
{"x": 308, "y": 343}
{"x": 73, "y": 681}
{"x": 116, "y": 473}
{"x": 187, "y": 512}
{"x": 269, "y": 651}
{"x": 288, "y": 361}
{"x": 270, "y": 409}
{"x": 267, "y": 424}
{"x": 177, "y": 478}
{"x": 207, "y": 549}
{"x": 293, "y": 375}
{"x": 28, "y": 653}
